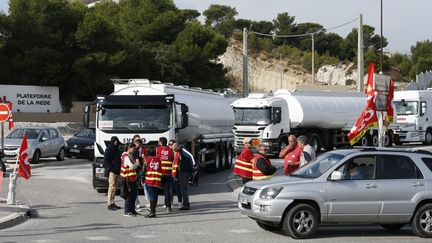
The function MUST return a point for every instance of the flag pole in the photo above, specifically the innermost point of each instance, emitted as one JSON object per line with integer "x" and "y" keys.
{"x": 13, "y": 181}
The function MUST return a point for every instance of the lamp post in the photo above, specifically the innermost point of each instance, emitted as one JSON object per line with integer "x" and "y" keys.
{"x": 381, "y": 39}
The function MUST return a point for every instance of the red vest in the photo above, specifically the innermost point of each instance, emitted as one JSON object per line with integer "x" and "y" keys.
{"x": 292, "y": 160}
{"x": 243, "y": 165}
{"x": 153, "y": 171}
{"x": 175, "y": 164}
{"x": 128, "y": 173}
{"x": 166, "y": 155}
{"x": 257, "y": 174}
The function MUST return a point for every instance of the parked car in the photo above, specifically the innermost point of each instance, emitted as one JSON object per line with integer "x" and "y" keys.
{"x": 43, "y": 142}
{"x": 81, "y": 144}
{"x": 390, "y": 187}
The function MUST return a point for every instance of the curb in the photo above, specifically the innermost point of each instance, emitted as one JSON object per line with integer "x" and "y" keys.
{"x": 234, "y": 182}
{"x": 18, "y": 214}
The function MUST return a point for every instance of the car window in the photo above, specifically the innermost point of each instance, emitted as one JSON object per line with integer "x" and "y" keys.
{"x": 398, "y": 167}
{"x": 53, "y": 133}
{"x": 319, "y": 166}
{"x": 359, "y": 168}
{"x": 428, "y": 162}
{"x": 45, "y": 134}
{"x": 31, "y": 133}
{"x": 86, "y": 133}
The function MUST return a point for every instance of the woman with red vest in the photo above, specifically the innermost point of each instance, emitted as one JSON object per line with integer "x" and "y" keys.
{"x": 166, "y": 155}
{"x": 175, "y": 170}
{"x": 128, "y": 172}
{"x": 262, "y": 167}
{"x": 152, "y": 180}
{"x": 243, "y": 165}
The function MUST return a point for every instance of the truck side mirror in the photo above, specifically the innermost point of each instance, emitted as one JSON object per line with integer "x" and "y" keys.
{"x": 277, "y": 115}
{"x": 423, "y": 108}
{"x": 86, "y": 116}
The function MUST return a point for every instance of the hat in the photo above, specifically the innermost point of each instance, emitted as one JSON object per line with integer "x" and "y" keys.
{"x": 247, "y": 140}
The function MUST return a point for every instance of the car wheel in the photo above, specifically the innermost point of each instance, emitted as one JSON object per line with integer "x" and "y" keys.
{"x": 422, "y": 221}
{"x": 2, "y": 166}
{"x": 301, "y": 222}
{"x": 393, "y": 227}
{"x": 36, "y": 157}
{"x": 268, "y": 227}
{"x": 61, "y": 154}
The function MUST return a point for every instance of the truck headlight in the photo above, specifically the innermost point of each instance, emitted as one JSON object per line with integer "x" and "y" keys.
{"x": 270, "y": 193}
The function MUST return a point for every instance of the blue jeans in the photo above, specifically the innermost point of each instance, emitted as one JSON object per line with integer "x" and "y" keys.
{"x": 130, "y": 200}
{"x": 176, "y": 188}
{"x": 152, "y": 192}
{"x": 184, "y": 182}
{"x": 167, "y": 185}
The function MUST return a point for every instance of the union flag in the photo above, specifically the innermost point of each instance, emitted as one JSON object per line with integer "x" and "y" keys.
{"x": 24, "y": 160}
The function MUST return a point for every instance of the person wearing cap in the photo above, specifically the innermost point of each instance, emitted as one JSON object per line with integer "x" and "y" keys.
{"x": 291, "y": 155}
{"x": 308, "y": 151}
{"x": 262, "y": 167}
{"x": 112, "y": 163}
{"x": 243, "y": 166}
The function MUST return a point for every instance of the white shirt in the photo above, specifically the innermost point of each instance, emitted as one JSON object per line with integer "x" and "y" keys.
{"x": 310, "y": 151}
{"x": 128, "y": 162}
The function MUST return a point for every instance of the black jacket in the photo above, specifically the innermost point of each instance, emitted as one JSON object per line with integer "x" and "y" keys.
{"x": 187, "y": 161}
{"x": 264, "y": 168}
{"x": 112, "y": 159}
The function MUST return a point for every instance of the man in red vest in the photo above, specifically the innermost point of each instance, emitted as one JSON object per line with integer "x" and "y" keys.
{"x": 291, "y": 155}
{"x": 166, "y": 156}
{"x": 262, "y": 167}
{"x": 243, "y": 165}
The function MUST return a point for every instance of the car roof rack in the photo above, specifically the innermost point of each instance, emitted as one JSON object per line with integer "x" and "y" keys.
{"x": 410, "y": 150}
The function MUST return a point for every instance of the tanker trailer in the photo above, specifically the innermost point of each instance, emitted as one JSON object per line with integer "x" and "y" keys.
{"x": 201, "y": 120}
{"x": 325, "y": 117}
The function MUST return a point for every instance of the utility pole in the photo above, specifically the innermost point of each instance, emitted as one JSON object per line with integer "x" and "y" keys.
{"x": 281, "y": 70}
{"x": 313, "y": 59}
{"x": 381, "y": 41}
{"x": 360, "y": 57}
{"x": 245, "y": 63}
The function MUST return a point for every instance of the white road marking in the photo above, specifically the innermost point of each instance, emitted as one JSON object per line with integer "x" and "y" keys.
{"x": 99, "y": 238}
{"x": 241, "y": 231}
{"x": 144, "y": 236}
{"x": 197, "y": 233}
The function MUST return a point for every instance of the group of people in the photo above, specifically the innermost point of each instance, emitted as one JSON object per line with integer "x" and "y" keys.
{"x": 168, "y": 166}
{"x": 256, "y": 167}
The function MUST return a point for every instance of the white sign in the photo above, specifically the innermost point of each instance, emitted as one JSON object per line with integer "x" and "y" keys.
{"x": 27, "y": 98}
{"x": 106, "y": 124}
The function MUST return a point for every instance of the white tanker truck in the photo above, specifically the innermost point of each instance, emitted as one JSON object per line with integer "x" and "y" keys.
{"x": 202, "y": 120}
{"x": 325, "y": 117}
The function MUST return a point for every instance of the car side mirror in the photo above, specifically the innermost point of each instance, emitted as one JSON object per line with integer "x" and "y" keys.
{"x": 336, "y": 176}
{"x": 43, "y": 139}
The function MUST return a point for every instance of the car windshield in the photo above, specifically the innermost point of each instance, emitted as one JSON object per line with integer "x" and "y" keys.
{"x": 319, "y": 166}
{"x": 252, "y": 116}
{"x": 86, "y": 133}
{"x": 406, "y": 107}
{"x": 135, "y": 118}
{"x": 32, "y": 133}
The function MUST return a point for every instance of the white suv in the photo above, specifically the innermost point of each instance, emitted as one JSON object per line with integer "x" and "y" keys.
{"x": 43, "y": 142}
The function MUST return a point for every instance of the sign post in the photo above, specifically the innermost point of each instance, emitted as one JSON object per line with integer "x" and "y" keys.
{"x": 4, "y": 116}
{"x": 382, "y": 87}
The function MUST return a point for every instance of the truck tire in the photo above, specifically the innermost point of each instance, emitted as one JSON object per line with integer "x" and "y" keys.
{"x": 229, "y": 157}
{"x": 388, "y": 140}
{"x": 374, "y": 140}
{"x": 428, "y": 137}
{"x": 215, "y": 167}
{"x": 365, "y": 140}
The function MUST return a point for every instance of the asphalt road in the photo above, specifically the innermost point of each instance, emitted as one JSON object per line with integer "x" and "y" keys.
{"x": 69, "y": 210}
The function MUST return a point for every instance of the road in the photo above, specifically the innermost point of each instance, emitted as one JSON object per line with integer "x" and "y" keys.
{"x": 69, "y": 210}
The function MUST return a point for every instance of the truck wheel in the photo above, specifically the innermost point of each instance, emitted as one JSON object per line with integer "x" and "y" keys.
{"x": 422, "y": 221}
{"x": 364, "y": 141}
{"x": 301, "y": 221}
{"x": 375, "y": 140}
{"x": 229, "y": 157}
{"x": 428, "y": 137}
{"x": 387, "y": 140}
{"x": 215, "y": 167}
{"x": 219, "y": 159}
{"x": 315, "y": 142}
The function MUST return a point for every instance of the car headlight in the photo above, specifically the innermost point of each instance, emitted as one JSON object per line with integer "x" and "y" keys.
{"x": 270, "y": 193}
{"x": 89, "y": 147}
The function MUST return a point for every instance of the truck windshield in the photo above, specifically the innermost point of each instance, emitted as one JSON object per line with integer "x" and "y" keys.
{"x": 406, "y": 107}
{"x": 319, "y": 166}
{"x": 134, "y": 118}
{"x": 252, "y": 116}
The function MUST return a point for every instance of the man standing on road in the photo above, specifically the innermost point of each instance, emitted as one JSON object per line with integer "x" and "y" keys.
{"x": 186, "y": 164}
{"x": 166, "y": 156}
{"x": 308, "y": 151}
{"x": 243, "y": 165}
{"x": 112, "y": 162}
{"x": 291, "y": 155}
{"x": 262, "y": 167}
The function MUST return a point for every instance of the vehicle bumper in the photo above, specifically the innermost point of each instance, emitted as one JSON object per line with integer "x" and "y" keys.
{"x": 263, "y": 210}
{"x": 100, "y": 180}
{"x": 10, "y": 154}
{"x": 410, "y": 136}
{"x": 80, "y": 153}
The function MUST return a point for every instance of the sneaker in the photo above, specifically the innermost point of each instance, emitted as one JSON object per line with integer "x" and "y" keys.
{"x": 164, "y": 206}
{"x": 117, "y": 207}
{"x": 179, "y": 205}
{"x": 169, "y": 210}
{"x": 130, "y": 214}
{"x": 112, "y": 207}
{"x": 151, "y": 215}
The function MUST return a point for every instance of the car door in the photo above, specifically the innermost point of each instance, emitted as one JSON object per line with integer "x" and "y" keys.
{"x": 355, "y": 197}
{"x": 44, "y": 143}
{"x": 400, "y": 181}
{"x": 55, "y": 141}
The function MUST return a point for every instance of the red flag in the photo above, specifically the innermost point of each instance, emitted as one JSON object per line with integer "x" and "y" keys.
{"x": 390, "y": 112}
{"x": 11, "y": 123}
{"x": 1, "y": 180}
{"x": 368, "y": 118}
{"x": 24, "y": 160}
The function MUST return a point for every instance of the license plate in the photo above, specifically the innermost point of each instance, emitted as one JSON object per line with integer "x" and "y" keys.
{"x": 74, "y": 151}
{"x": 243, "y": 200}
{"x": 9, "y": 153}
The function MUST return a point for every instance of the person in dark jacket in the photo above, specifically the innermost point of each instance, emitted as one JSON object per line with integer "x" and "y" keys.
{"x": 263, "y": 163}
{"x": 186, "y": 165}
{"x": 112, "y": 162}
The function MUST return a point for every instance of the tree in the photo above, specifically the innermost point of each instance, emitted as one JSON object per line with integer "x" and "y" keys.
{"x": 221, "y": 17}
{"x": 421, "y": 57}
{"x": 284, "y": 25}
{"x": 370, "y": 41}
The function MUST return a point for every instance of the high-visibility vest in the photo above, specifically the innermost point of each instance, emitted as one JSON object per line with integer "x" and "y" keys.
{"x": 257, "y": 174}
{"x": 166, "y": 155}
{"x": 125, "y": 171}
{"x": 176, "y": 164}
{"x": 243, "y": 166}
{"x": 153, "y": 171}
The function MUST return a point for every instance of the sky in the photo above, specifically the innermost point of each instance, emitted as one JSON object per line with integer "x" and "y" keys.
{"x": 405, "y": 22}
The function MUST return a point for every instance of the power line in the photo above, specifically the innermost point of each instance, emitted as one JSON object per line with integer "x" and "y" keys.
{"x": 305, "y": 34}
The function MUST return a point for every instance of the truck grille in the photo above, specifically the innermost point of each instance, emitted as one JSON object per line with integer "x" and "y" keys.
{"x": 240, "y": 135}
